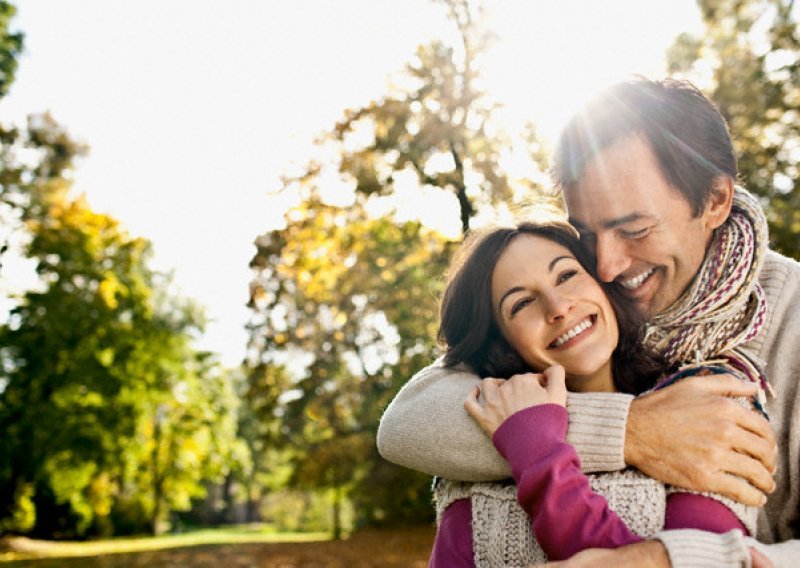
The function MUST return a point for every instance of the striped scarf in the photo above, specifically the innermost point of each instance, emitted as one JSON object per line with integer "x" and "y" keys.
{"x": 724, "y": 307}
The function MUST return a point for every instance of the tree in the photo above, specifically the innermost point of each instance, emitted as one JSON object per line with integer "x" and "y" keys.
{"x": 751, "y": 49}
{"x": 10, "y": 47}
{"x": 439, "y": 126}
{"x": 355, "y": 296}
{"x": 107, "y": 411}
{"x": 11, "y": 44}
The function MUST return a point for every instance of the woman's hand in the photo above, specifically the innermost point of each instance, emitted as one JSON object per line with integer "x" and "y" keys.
{"x": 502, "y": 398}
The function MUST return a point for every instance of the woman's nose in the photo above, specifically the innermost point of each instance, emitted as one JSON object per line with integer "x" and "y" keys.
{"x": 558, "y": 306}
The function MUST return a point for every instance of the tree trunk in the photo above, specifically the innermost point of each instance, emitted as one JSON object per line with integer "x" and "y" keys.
{"x": 337, "y": 513}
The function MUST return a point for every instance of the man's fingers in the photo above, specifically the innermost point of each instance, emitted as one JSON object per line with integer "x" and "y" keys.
{"x": 753, "y": 471}
{"x": 738, "y": 489}
{"x": 724, "y": 385}
{"x": 758, "y": 448}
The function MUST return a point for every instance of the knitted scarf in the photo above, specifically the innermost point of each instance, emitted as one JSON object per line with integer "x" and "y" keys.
{"x": 724, "y": 307}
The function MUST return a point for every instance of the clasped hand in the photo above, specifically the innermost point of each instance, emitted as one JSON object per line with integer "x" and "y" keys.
{"x": 491, "y": 403}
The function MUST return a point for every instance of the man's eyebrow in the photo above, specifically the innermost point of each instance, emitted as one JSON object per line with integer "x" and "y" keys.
{"x": 611, "y": 223}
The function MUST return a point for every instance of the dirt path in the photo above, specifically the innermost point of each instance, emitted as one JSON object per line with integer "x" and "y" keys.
{"x": 408, "y": 548}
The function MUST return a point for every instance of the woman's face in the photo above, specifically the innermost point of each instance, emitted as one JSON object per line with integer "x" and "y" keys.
{"x": 553, "y": 312}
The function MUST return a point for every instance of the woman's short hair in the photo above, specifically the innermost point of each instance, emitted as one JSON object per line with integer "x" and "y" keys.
{"x": 470, "y": 334}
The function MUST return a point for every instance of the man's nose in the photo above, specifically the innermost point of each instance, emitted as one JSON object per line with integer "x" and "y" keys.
{"x": 612, "y": 257}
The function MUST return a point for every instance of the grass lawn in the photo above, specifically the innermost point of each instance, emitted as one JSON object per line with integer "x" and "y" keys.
{"x": 229, "y": 547}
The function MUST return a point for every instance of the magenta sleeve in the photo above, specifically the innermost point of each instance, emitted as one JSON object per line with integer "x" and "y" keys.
{"x": 692, "y": 511}
{"x": 566, "y": 515}
{"x": 453, "y": 544}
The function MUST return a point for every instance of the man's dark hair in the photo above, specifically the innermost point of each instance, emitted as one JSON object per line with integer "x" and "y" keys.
{"x": 470, "y": 333}
{"x": 684, "y": 128}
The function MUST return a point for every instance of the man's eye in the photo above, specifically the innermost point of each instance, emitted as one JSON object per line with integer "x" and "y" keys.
{"x": 520, "y": 305}
{"x": 636, "y": 234}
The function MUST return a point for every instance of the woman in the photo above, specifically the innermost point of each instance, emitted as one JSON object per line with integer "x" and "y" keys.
{"x": 524, "y": 299}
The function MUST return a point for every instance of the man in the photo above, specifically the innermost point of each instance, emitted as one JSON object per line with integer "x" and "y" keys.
{"x": 647, "y": 172}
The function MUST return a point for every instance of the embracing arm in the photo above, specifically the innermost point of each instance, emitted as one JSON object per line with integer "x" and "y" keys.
{"x": 426, "y": 428}
{"x": 693, "y": 435}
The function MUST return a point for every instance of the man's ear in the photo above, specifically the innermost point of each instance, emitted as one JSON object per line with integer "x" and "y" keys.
{"x": 719, "y": 202}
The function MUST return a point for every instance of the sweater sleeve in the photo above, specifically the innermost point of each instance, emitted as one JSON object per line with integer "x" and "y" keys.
{"x": 426, "y": 428}
{"x": 554, "y": 492}
{"x": 453, "y": 544}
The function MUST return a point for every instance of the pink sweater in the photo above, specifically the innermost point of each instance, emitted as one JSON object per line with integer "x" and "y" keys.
{"x": 566, "y": 515}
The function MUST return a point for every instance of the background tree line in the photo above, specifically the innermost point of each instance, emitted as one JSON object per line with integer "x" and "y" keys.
{"x": 113, "y": 423}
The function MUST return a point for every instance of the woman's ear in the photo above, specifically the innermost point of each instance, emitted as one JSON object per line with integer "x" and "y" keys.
{"x": 719, "y": 202}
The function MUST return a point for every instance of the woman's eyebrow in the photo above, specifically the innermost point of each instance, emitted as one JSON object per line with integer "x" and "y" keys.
{"x": 556, "y": 259}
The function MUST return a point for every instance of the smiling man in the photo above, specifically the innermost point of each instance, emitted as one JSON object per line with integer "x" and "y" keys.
{"x": 647, "y": 171}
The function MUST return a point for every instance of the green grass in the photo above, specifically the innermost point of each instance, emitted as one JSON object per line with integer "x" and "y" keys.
{"x": 23, "y": 549}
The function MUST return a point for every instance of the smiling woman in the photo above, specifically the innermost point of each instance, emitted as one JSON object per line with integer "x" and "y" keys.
{"x": 552, "y": 312}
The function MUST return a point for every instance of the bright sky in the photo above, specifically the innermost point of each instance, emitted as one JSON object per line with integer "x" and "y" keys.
{"x": 194, "y": 108}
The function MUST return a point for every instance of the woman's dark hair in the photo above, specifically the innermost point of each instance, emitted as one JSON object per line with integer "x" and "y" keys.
{"x": 470, "y": 334}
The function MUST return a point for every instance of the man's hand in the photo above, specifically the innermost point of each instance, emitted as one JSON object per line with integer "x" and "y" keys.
{"x": 650, "y": 554}
{"x": 692, "y": 435}
{"x": 503, "y": 398}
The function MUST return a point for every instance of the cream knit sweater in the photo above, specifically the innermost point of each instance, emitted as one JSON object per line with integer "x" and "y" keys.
{"x": 426, "y": 428}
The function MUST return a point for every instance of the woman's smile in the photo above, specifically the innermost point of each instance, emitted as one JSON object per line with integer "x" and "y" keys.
{"x": 576, "y": 334}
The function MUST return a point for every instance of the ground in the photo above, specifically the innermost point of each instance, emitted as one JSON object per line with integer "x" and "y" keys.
{"x": 369, "y": 548}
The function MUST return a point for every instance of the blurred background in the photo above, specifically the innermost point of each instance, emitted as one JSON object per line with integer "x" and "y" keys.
{"x": 224, "y": 228}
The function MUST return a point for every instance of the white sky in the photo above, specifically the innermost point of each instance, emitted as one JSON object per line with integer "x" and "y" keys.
{"x": 194, "y": 108}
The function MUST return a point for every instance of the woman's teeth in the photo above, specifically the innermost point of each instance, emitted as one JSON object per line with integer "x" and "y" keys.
{"x": 578, "y": 329}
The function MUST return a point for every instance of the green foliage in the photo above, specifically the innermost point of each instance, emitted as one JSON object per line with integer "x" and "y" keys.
{"x": 104, "y": 405}
{"x": 752, "y": 49}
{"x": 357, "y": 296}
{"x": 10, "y": 47}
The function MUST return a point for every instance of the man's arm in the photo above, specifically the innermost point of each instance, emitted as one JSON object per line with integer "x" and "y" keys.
{"x": 692, "y": 435}
{"x": 426, "y": 428}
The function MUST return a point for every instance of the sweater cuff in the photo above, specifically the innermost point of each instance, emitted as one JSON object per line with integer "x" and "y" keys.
{"x": 597, "y": 429}
{"x": 692, "y": 548}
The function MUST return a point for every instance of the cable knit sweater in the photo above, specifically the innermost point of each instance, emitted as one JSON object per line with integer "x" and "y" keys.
{"x": 426, "y": 428}
{"x": 564, "y": 509}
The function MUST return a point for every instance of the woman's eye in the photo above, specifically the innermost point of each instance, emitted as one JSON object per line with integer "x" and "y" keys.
{"x": 564, "y": 276}
{"x": 520, "y": 305}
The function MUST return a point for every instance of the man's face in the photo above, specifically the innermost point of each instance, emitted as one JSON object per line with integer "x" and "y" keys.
{"x": 642, "y": 228}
